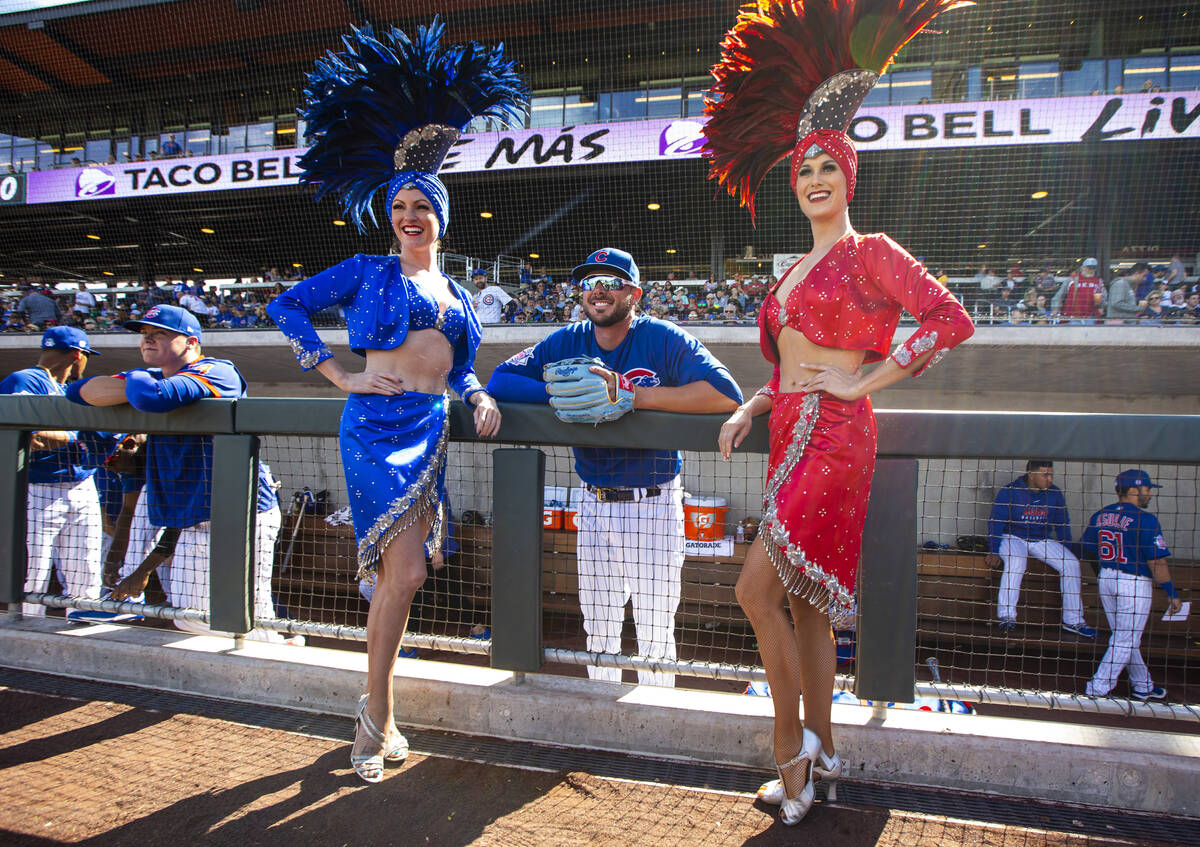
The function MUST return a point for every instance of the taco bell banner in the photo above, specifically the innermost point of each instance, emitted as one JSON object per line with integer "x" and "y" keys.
{"x": 1062, "y": 120}
{"x": 165, "y": 176}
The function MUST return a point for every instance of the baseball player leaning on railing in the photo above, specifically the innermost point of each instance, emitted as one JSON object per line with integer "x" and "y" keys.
{"x": 630, "y": 542}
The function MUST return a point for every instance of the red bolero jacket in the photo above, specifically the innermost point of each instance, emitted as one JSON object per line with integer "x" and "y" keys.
{"x": 852, "y": 300}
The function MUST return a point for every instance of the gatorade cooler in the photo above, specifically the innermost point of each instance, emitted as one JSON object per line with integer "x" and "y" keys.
{"x": 554, "y": 501}
{"x": 571, "y": 515}
{"x": 704, "y": 518}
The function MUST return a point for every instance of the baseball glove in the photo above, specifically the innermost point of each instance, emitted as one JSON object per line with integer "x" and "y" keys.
{"x": 580, "y": 396}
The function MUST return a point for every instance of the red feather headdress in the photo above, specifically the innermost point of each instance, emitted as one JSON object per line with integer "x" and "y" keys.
{"x": 776, "y": 58}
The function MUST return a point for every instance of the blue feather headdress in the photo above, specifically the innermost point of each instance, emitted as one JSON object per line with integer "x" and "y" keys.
{"x": 393, "y": 104}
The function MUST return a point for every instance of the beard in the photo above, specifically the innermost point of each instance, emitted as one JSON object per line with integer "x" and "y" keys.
{"x": 619, "y": 312}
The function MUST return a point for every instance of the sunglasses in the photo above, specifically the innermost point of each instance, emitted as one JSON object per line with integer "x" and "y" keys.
{"x": 608, "y": 283}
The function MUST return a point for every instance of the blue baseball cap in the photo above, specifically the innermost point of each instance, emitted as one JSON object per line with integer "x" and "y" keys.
{"x": 67, "y": 338}
{"x": 172, "y": 318}
{"x": 609, "y": 260}
{"x": 1134, "y": 478}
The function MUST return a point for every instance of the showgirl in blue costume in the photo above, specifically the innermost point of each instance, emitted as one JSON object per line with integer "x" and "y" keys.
{"x": 385, "y": 112}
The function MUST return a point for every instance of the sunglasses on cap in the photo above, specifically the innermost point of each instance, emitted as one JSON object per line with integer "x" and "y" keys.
{"x": 608, "y": 283}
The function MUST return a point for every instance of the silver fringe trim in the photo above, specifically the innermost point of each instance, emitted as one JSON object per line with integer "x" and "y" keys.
{"x": 800, "y": 575}
{"x": 310, "y": 358}
{"x": 420, "y": 499}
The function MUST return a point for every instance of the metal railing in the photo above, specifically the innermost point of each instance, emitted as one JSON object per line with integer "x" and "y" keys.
{"x": 529, "y": 612}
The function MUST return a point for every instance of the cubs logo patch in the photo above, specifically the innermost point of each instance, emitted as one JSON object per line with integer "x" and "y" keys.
{"x": 47, "y": 342}
{"x": 489, "y": 299}
{"x": 601, "y": 256}
{"x": 643, "y": 377}
{"x": 153, "y": 312}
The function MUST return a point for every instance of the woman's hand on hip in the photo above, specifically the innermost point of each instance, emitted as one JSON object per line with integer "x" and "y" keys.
{"x": 371, "y": 382}
{"x": 833, "y": 380}
{"x": 487, "y": 415}
{"x": 734, "y": 431}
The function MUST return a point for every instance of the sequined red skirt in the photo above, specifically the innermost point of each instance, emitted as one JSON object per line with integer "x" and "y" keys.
{"x": 818, "y": 483}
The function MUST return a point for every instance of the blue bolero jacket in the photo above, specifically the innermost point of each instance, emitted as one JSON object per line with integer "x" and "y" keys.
{"x": 371, "y": 292}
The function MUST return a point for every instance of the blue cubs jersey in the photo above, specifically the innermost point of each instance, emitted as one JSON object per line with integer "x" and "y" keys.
{"x": 47, "y": 466}
{"x": 653, "y": 353}
{"x": 1125, "y": 538}
{"x": 1027, "y": 513}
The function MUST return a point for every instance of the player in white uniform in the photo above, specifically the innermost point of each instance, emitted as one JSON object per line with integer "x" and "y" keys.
{"x": 177, "y": 495}
{"x": 63, "y": 523}
{"x": 1128, "y": 542}
{"x": 630, "y": 544}
{"x": 489, "y": 300}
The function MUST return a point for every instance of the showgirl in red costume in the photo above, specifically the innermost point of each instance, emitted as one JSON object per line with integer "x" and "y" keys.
{"x": 789, "y": 81}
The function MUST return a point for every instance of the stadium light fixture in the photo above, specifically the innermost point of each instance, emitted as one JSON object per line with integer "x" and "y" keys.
{"x": 485, "y": 214}
{"x": 93, "y": 237}
{"x": 206, "y": 230}
{"x": 653, "y": 207}
{"x": 672, "y": 250}
{"x": 1039, "y": 195}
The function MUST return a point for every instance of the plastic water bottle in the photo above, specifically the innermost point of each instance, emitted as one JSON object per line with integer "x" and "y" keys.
{"x": 740, "y": 534}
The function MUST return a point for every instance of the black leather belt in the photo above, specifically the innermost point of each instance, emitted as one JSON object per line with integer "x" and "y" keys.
{"x": 623, "y": 495}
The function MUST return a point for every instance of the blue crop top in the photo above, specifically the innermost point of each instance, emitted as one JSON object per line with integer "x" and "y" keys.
{"x": 424, "y": 312}
{"x": 380, "y": 305}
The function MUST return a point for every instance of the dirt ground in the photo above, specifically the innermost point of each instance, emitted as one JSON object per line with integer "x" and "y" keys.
{"x": 78, "y": 772}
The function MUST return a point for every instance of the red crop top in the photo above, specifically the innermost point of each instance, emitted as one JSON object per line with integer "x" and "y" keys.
{"x": 852, "y": 300}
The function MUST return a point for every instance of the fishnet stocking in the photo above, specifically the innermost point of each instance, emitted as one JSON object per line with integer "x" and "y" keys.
{"x": 797, "y": 658}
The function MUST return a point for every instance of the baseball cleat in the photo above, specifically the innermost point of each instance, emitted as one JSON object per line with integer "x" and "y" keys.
{"x": 1082, "y": 630}
{"x": 1155, "y": 693}
{"x": 1006, "y": 626}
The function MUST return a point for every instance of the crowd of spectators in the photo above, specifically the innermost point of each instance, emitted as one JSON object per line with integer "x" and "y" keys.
{"x": 539, "y": 299}
{"x": 34, "y": 307}
{"x": 1139, "y": 294}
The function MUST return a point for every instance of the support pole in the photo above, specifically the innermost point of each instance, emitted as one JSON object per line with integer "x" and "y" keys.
{"x": 887, "y": 587}
{"x": 518, "y": 477}
{"x": 231, "y": 547}
{"x": 14, "y": 452}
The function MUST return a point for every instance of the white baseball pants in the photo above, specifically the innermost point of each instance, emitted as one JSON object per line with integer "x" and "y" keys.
{"x": 185, "y": 576}
{"x": 1015, "y": 553}
{"x": 631, "y": 551}
{"x": 63, "y": 526}
{"x": 1126, "y": 600}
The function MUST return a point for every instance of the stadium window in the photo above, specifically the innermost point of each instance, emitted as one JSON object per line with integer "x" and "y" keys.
{"x": 1184, "y": 73}
{"x": 1037, "y": 79}
{"x": 1144, "y": 73}
{"x": 1087, "y": 79}
{"x": 911, "y": 87}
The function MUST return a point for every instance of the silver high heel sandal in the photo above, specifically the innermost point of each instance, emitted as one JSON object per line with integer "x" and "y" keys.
{"x": 793, "y": 809}
{"x": 826, "y": 768}
{"x": 368, "y": 767}
{"x": 396, "y": 751}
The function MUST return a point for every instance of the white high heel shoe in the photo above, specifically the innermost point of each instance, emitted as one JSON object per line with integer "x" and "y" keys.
{"x": 396, "y": 747}
{"x": 793, "y": 809}
{"x": 826, "y": 768}
{"x": 368, "y": 766}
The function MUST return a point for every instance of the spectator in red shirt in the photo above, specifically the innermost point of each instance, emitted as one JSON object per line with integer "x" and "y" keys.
{"x": 1081, "y": 297}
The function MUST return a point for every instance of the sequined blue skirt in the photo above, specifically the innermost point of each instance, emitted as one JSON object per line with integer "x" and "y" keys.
{"x": 394, "y": 457}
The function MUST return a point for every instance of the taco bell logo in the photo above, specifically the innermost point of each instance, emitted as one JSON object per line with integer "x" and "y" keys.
{"x": 681, "y": 138}
{"x": 95, "y": 182}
